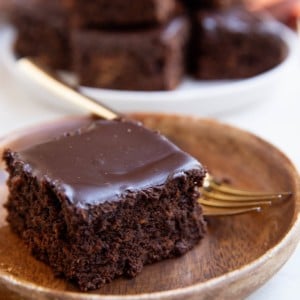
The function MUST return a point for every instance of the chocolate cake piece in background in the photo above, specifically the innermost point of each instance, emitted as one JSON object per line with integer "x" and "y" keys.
{"x": 233, "y": 44}
{"x": 117, "y": 13}
{"x": 135, "y": 59}
{"x": 43, "y": 31}
{"x": 143, "y": 44}
{"x": 105, "y": 200}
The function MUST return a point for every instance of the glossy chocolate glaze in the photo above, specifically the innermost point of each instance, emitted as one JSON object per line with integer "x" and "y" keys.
{"x": 106, "y": 159}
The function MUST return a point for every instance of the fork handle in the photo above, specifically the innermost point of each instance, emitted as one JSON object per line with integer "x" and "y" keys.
{"x": 32, "y": 69}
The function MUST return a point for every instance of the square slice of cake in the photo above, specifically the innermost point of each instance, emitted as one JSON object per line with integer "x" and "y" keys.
{"x": 105, "y": 200}
{"x": 234, "y": 44}
{"x": 135, "y": 59}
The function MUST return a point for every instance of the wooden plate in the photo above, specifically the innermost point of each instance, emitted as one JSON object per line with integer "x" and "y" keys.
{"x": 238, "y": 254}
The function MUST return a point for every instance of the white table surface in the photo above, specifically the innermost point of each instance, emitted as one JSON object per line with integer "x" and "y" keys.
{"x": 277, "y": 120}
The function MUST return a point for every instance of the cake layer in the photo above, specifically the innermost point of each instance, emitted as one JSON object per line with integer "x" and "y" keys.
{"x": 141, "y": 45}
{"x": 140, "y": 59}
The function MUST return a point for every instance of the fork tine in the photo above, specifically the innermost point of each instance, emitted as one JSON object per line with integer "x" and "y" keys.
{"x": 227, "y": 204}
{"x": 227, "y": 197}
{"x": 220, "y": 199}
{"x": 211, "y": 184}
{"x": 211, "y": 211}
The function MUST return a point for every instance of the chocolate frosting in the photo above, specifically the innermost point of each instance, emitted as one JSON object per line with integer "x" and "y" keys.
{"x": 103, "y": 161}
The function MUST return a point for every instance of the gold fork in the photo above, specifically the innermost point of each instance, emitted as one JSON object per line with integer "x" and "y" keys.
{"x": 220, "y": 199}
{"x": 217, "y": 199}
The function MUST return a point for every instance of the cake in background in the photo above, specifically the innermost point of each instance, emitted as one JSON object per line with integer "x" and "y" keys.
{"x": 43, "y": 31}
{"x": 141, "y": 45}
{"x": 129, "y": 45}
{"x": 146, "y": 59}
{"x": 233, "y": 44}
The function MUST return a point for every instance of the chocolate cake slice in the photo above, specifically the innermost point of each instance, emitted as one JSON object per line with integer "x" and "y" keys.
{"x": 234, "y": 44}
{"x": 135, "y": 59}
{"x": 105, "y": 200}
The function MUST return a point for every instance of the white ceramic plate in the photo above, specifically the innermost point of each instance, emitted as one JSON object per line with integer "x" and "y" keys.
{"x": 203, "y": 98}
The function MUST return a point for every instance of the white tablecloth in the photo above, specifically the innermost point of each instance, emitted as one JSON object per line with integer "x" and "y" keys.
{"x": 277, "y": 120}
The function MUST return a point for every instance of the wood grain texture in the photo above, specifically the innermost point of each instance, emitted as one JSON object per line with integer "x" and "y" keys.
{"x": 238, "y": 254}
